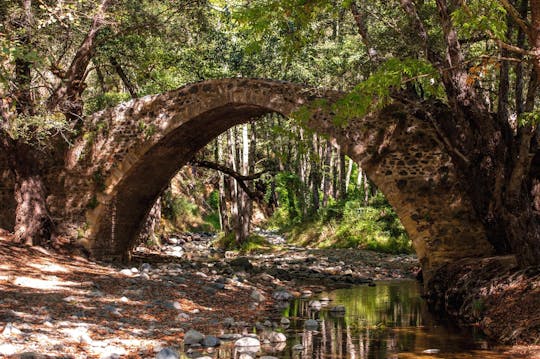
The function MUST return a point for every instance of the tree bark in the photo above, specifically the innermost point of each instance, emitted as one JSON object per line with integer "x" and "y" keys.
{"x": 33, "y": 224}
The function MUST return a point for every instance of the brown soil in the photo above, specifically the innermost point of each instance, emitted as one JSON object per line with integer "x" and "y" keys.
{"x": 492, "y": 294}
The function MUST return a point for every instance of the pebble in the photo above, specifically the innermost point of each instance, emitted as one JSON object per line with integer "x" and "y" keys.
{"x": 167, "y": 353}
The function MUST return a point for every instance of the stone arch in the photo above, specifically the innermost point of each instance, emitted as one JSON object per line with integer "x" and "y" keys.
{"x": 133, "y": 150}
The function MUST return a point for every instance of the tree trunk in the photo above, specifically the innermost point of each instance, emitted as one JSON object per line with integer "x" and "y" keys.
{"x": 151, "y": 225}
{"x": 33, "y": 224}
{"x": 348, "y": 176}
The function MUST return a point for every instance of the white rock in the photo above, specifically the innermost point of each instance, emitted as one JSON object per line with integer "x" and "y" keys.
{"x": 298, "y": 347}
{"x": 315, "y": 305}
{"x": 126, "y": 272}
{"x": 276, "y": 337}
{"x": 285, "y": 321}
{"x": 247, "y": 342}
{"x": 10, "y": 330}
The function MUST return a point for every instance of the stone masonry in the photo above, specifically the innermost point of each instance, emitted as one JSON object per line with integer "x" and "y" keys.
{"x": 128, "y": 154}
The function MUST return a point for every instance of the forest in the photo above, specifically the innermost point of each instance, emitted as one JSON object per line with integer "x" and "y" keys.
{"x": 428, "y": 146}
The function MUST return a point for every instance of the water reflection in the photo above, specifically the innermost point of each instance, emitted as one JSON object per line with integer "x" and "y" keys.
{"x": 389, "y": 320}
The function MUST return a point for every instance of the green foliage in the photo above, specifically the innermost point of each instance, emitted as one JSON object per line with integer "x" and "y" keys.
{"x": 350, "y": 224}
{"x": 38, "y": 129}
{"x": 481, "y": 16}
{"x": 254, "y": 243}
{"x": 105, "y": 100}
{"x": 375, "y": 91}
{"x": 175, "y": 208}
{"x": 529, "y": 118}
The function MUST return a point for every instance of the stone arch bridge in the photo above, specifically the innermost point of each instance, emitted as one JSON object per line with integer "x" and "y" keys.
{"x": 128, "y": 154}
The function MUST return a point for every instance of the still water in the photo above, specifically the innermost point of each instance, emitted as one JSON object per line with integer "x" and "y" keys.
{"x": 389, "y": 320}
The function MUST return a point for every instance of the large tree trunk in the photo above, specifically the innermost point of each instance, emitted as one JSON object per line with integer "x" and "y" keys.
{"x": 33, "y": 224}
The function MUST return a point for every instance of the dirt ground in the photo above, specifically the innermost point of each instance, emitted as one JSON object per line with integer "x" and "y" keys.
{"x": 56, "y": 305}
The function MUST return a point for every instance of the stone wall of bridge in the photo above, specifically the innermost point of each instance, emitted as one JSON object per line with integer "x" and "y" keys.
{"x": 127, "y": 155}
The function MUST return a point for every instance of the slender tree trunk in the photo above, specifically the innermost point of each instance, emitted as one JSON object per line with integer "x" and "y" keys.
{"x": 342, "y": 175}
{"x": 327, "y": 188}
{"x": 348, "y": 176}
{"x": 223, "y": 213}
{"x": 123, "y": 76}
{"x": 245, "y": 204}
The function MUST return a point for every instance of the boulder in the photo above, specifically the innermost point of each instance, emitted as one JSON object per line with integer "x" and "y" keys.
{"x": 193, "y": 337}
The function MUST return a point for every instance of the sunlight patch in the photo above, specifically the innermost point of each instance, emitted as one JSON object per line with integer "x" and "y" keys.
{"x": 49, "y": 267}
{"x": 46, "y": 284}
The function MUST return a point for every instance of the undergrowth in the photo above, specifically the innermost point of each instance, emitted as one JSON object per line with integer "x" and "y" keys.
{"x": 352, "y": 224}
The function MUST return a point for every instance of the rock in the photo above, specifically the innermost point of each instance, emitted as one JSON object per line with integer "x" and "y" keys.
{"x": 193, "y": 337}
{"x": 311, "y": 324}
{"x": 241, "y": 263}
{"x": 183, "y": 316}
{"x": 298, "y": 347}
{"x": 228, "y": 322}
{"x": 167, "y": 353}
{"x": 276, "y": 337}
{"x": 30, "y": 355}
{"x": 431, "y": 351}
{"x": 307, "y": 293}
{"x": 257, "y": 296}
{"x": 315, "y": 305}
{"x": 145, "y": 267}
{"x": 285, "y": 321}
{"x": 247, "y": 342}
{"x": 126, "y": 272}
{"x": 230, "y": 336}
{"x": 134, "y": 270}
{"x": 338, "y": 309}
{"x": 282, "y": 295}
{"x": 80, "y": 335}
{"x": 144, "y": 276}
{"x": 10, "y": 330}
{"x": 268, "y": 357}
{"x": 210, "y": 341}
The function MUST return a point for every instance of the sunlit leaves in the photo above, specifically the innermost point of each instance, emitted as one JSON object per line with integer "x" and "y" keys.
{"x": 376, "y": 91}
{"x": 37, "y": 129}
{"x": 529, "y": 119}
{"x": 481, "y": 16}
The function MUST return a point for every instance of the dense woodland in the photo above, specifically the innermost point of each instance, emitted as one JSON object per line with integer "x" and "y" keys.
{"x": 63, "y": 60}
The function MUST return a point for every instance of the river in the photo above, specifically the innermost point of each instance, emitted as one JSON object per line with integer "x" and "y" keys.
{"x": 388, "y": 320}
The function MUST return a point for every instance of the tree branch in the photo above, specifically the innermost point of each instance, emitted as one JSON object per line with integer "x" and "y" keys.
{"x": 240, "y": 179}
{"x": 512, "y": 11}
{"x": 66, "y": 97}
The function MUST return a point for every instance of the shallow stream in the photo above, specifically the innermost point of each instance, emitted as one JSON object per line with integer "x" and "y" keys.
{"x": 389, "y": 320}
